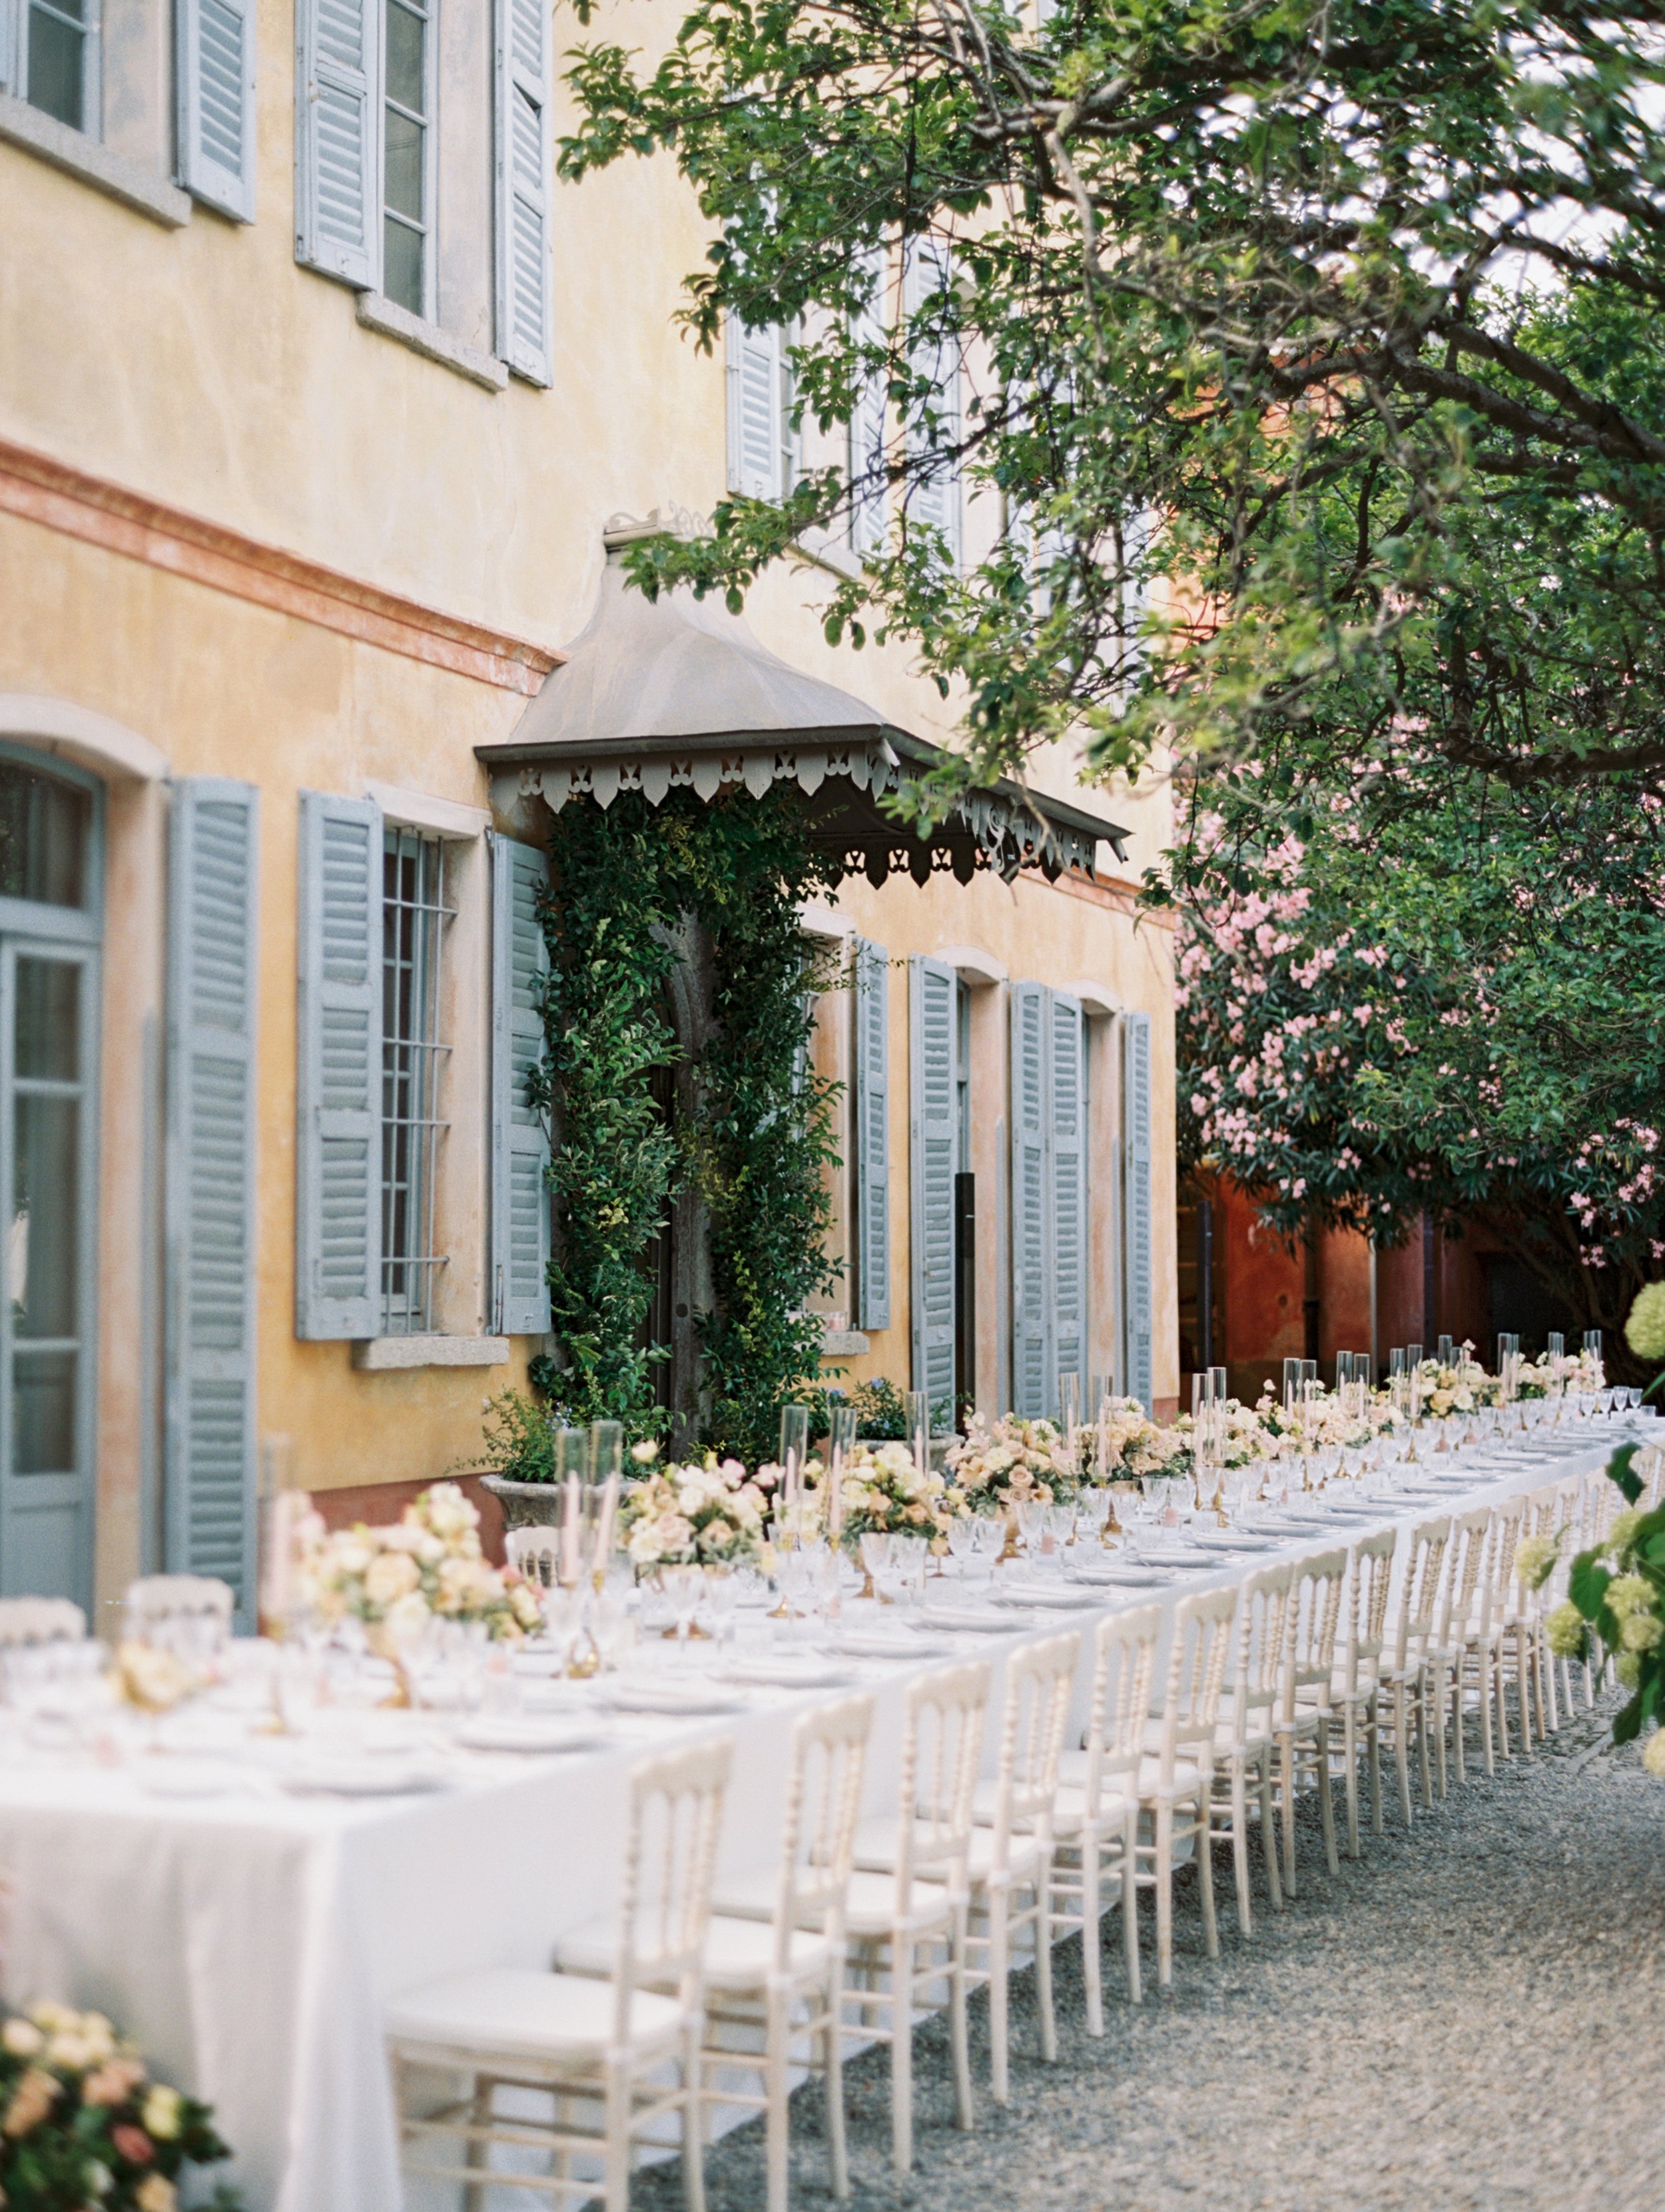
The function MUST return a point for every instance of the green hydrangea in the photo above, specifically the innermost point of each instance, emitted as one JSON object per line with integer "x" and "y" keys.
{"x": 1628, "y": 1594}
{"x": 1643, "y": 1631}
{"x": 1534, "y": 1559}
{"x": 1644, "y": 1331}
{"x": 1653, "y": 1753}
{"x": 1564, "y": 1627}
{"x": 1628, "y": 1667}
{"x": 1622, "y": 1535}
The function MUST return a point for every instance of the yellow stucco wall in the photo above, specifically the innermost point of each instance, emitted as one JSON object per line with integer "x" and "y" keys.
{"x": 203, "y": 368}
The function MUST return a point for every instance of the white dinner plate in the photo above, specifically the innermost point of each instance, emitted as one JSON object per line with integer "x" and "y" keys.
{"x": 869, "y": 1644}
{"x": 1234, "y": 1540}
{"x": 1188, "y": 1561}
{"x": 985, "y": 1619}
{"x": 361, "y": 1777}
{"x": 532, "y": 1733}
{"x": 1127, "y": 1577}
{"x": 784, "y": 1670}
{"x": 682, "y": 1699}
{"x": 1069, "y": 1597}
{"x": 170, "y": 1777}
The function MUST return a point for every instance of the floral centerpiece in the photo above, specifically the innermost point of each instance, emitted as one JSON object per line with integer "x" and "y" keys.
{"x": 82, "y": 2124}
{"x": 885, "y": 1494}
{"x": 1458, "y": 1387}
{"x": 1009, "y": 1463}
{"x": 708, "y": 1515}
{"x": 427, "y": 1566}
{"x": 1135, "y": 1446}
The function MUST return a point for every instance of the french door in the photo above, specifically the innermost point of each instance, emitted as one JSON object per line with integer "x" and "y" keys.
{"x": 49, "y": 987}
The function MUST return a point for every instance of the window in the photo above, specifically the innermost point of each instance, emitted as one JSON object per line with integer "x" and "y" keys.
{"x": 763, "y": 446}
{"x": 413, "y": 918}
{"x": 58, "y": 59}
{"x": 935, "y": 431}
{"x": 405, "y": 256}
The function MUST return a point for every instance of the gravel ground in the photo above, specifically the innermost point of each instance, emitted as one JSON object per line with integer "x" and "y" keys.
{"x": 1469, "y": 2019}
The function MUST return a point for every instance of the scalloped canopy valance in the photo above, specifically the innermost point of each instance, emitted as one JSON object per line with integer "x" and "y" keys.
{"x": 657, "y": 696}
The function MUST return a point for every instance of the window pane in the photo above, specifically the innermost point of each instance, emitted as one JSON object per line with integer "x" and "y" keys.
{"x": 48, "y": 1042}
{"x": 412, "y": 895}
{"x": 44, "y": 1412}
{"x": 401, "y": 266}
{"x": 41, "y": 1255}
{"x": 404, "y": 152}
{"x": 45, "y": 826}
{"x": 407, "y": 38}
{"x": 56, "y": 51}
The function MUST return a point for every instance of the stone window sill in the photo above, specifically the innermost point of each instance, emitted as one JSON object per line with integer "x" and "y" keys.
{"x": 388, "y": 1355}
{"x": 123, "y": 178}
{"x": 377, "y": 313}
{"x": 836, "y": 1343}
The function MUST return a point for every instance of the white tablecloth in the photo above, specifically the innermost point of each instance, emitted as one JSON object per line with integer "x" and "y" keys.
{"x": 249, "y": 1942}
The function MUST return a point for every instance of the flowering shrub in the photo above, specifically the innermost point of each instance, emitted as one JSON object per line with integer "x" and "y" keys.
{"x": 82, "y": 2124}
{"x": 1010, "y": 1463}
{"x": 428, "y": 1565}
{"x": 885, "y": 1494}
{"x": 708, "y": 1515}
{"x": 1618, "y": 1588}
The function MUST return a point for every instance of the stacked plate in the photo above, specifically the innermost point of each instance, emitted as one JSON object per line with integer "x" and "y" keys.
{"x": 535, "y": 1734}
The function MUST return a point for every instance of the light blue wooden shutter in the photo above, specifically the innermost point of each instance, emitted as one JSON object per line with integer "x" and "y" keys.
{"x": 934, "y": 497}
{"x": 872, "y": 1134}
{"x": 209, "y": 1184}
{"x": 1136, "y": 1233}
{"x": 1066, "y": 1118}
{"x": 337, "y": 1153}
{"x": 338, "y": 139}
{"x": 525, "y": 187}
{"x": 867, "y": 420}
{"x": 214, "y": 84}
{"x": 755, "y": 434}
{"x": 520, "y": 1134}
{"x": 932, "y": 1114}
{"x": 1031, "y": 1304}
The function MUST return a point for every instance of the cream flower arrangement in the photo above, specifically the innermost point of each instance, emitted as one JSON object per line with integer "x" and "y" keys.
{"x": 1009, "y": 1462}
{"x": 704, "y": 1515}
{"x": 427, "y": 1566}
{"x": 885, "y": 1494}
{"x": 82, "y": 2122}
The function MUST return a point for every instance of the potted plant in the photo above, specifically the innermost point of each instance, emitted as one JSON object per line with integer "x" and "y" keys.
{"x": 519, "y": 1449}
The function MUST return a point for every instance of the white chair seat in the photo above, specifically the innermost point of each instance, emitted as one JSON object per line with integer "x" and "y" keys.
{"x": 876, "y": 1843}
{"x": 871, "y": 1908}
{"x": 510, "y": 2011}
{"x": 1069, "y": 1812}
{"x": 739, "y": 1954}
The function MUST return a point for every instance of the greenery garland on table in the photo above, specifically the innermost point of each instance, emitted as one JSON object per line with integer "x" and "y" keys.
{"x": 759, "y": 1137}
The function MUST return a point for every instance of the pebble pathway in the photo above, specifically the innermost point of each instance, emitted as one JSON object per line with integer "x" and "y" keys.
{"x": 1471, "y": 2018}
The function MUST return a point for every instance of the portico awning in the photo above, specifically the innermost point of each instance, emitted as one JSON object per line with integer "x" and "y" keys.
{"x": 659, "y": 695}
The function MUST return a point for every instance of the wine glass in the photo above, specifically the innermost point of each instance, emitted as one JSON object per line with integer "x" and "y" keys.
{"x": 682, "y": 1587}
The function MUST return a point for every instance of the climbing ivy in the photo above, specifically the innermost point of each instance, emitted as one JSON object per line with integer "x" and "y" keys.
{"x": 754, "y": 1145}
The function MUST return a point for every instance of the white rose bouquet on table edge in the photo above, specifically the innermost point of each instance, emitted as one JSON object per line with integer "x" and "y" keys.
{"x": 885, "y": 1494}
{"x": 705, "y": 1516}
{"x": 82, "y": 2124}
{"x": 427, "y": 1566}
{"x": 1009, "y": 1462}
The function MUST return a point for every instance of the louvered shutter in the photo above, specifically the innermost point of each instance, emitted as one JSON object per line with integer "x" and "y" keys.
{"x": 1032, "y": 1363}
{"x": 214, "y": 76}
{"x": 1136, "y": 1202}
{"x": 872, "y": 1134}
{"x": 209, "y": 1187}
{"x": 520, "y": 1133}
{"x": 1067, "y": 1117}
{"x": 338, "y": 1157}
{"x": 934, "y": 497}
{"x": 867, "y": 426}
{"x": 525, "y": 187}
{"x": 755, "y": 432}
{"x": 931, "y": 1129}
{"x": 337, "y": 166}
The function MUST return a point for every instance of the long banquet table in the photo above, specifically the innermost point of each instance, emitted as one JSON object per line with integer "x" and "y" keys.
{"x": 247, "y": 1941}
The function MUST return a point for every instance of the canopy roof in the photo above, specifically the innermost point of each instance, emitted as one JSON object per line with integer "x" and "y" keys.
{"x": 657, "y": 694}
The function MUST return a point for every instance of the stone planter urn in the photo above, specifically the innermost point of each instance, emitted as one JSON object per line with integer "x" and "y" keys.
{"x": 525, "y": 1504}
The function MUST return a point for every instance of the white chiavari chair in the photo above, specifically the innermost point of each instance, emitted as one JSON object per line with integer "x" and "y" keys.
{"x": 41, "y": 1620}
{"x": 919, "y": 1901}
{"x": 188, "y": 1613}
{"x": 601, "y": 2046}
{"x": 1011, "y": 1846}
{"x": 1464, "y": 1648}
{"x": 535, "y": 1553}
{"x": 1507, "y": 1627}
{"x": 1177, "y": 1779}
{"x": 1243, "y": 1736}
{"x": 774, "y": 1980}
{"x": 1302, "y": 1721}
{"x": 1095, "y": 1811}
{"x": 1406, "y": 1673}
{"x": 1356, "y": 1682}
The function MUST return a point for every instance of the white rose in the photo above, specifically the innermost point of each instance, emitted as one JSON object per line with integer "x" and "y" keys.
{"x": 390, "y": 1578}
{"x": 408, "y": 1617}
{"x": 689, "y": 1499}
{"x": 645, "y": 1548}
{"x": 20, "y": 2038}
{"x": 350, "y": 1557}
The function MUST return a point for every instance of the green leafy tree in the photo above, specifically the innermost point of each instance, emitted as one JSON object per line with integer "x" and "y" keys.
{"x": 1345, "y": 315}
